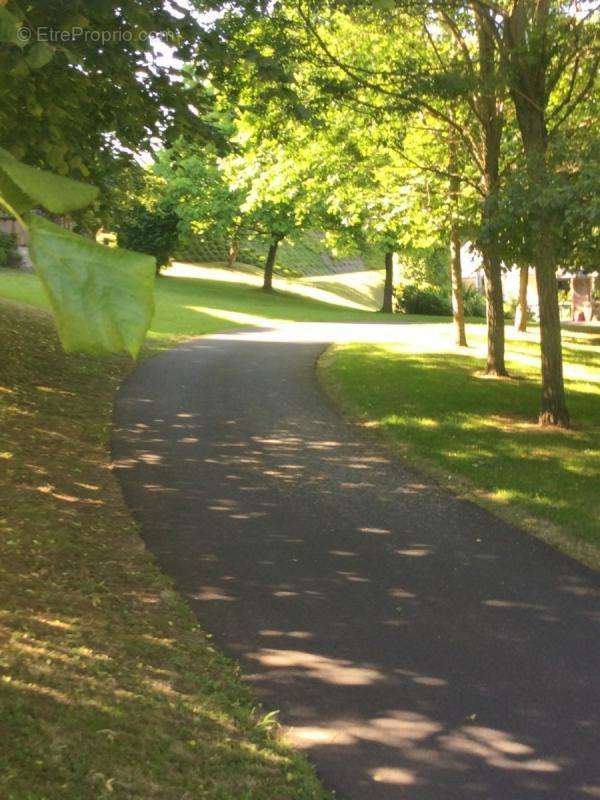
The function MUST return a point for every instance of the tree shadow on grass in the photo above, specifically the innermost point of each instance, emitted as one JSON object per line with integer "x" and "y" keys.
{"x": 483, "y": 430}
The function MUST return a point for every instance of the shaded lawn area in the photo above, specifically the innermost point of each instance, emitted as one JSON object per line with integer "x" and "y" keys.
{"x": 108, "y": 688}
{"x": 479, "y": 436}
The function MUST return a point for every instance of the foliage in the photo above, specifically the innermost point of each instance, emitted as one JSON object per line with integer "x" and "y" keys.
{"x": 102, "y": 297}
{"x": 82, "y": 101}
{"x": 9, "y": 255}
{"x": 569, "y": 198}
{"x": 420, "y": 297}
{"x": 474, "y": 302}
{"x": 430, "y": 264}
{"x": 150, "y": 230}
{"x": 413, "y": 298}
{"x": 194, "y": 184}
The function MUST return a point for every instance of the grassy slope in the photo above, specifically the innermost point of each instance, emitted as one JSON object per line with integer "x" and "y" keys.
{"x": 190, "y": 307}
{"x": 478, "y": 435}
{"x": 108, "y": 689}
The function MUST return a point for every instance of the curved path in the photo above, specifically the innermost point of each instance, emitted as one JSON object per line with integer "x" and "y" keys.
{"x": 417, "y": 646}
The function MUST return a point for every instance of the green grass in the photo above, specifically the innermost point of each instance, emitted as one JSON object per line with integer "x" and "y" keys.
{"x": 108, "y": 688}
{"x": 479, "y": 436}
{"x": 192, "y": 307}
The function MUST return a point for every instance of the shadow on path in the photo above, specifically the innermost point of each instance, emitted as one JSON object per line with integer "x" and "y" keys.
{"x": 417, "y": 646}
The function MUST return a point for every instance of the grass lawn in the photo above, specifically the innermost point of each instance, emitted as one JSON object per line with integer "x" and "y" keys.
{"x": 108, "y": 688}
{"x": 479, "y": 436}
{"x": 191, "y": 306}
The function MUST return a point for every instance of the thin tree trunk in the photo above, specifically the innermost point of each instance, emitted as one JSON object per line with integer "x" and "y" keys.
{"x": 492, "y": 122}
{"x": 233, "y": 252}
{"x": 269, "y": 265}
{"x": 521, "y": 312}
{"x": 458, "y": 306}
{"x": 495, "y": 312}
{"x": 388, "y": 287}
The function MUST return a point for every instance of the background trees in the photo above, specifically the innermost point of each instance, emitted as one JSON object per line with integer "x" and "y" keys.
{"x": 391, "y": 125}
{"x": 485, "y": 70}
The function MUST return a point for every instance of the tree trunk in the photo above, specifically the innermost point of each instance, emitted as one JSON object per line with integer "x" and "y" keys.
{"x": 521, "y": 312}
{"x": 269, "y": 264}
{"x": 553, "y": 407}
{"x": 233, "y": 252}
{"x": 495, "y": 312}
{"x": 458, "y": 306}
{"x": 489, "y": 107}
{"x": 388, "y": 287}
{"x": 526, "y": 40}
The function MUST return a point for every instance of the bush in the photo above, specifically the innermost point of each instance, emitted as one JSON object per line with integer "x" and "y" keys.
{"x": 510, "y": 308}
{"x": 411, "y": 298}
{"x": 151, "y": 231}
{"x": 9, "y": 255}
{"x": 474, "y": 302}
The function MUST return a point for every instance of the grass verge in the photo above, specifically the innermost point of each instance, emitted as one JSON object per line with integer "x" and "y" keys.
{"x": 108, "y": 688}
{"x": 431, "y": 403}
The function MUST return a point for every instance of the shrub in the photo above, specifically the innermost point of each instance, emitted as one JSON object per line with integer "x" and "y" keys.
{"x": 411, "y": 298}
{"x": 9, "y": 255}
{"x": 474, "y": 302}
{"x": 510, "y": 309}
{"x": 152, "y": 231}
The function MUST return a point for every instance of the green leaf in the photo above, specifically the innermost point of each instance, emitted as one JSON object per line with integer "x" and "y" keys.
{"x": 9, "y": 28}
{"x": 102, "y": 297}
{"x": 30, "y": 186}
{"x": 39, "y": 55}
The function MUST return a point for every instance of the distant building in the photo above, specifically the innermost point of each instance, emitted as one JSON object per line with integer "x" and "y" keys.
{"x": 579, "y": 293}
{"x": 11, "y": 226}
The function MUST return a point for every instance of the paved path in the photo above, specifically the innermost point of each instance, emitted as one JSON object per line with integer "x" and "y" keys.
{"x": 418, "y": 647}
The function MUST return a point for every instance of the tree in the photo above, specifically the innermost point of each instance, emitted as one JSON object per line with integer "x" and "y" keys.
{"x": 193, "y": 182}
{"x": 89, "y": 89}
{"x": 543, "y": 52}
{"x": 458, "y": 308}
{"x": 392, "y": 62}
{"x": 273, "y": 176}
{"x": 551, "y": 66}
{"x": 151, "y": 230}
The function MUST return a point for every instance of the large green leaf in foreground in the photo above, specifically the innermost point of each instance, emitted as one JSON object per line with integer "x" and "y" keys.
{"x": 102, "y": 297}
{"x": 25, "y": 187}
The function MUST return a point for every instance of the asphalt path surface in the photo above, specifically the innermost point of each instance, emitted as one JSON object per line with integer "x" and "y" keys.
{"x": 416, "y": 646}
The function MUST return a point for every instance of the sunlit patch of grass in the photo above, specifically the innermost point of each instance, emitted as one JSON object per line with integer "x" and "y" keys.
{"x": 108, "y": 688}
{"x": 188, "y": 307}
{"x": 486, "y": 442}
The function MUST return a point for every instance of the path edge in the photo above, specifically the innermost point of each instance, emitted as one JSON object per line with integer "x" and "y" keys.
{"x": 547, "y": 532}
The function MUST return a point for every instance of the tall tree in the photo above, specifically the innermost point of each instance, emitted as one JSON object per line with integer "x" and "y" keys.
{"x": 273, "y": 176}
{"x": 541, "y": 42}
{"x": 87, "y": 82}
